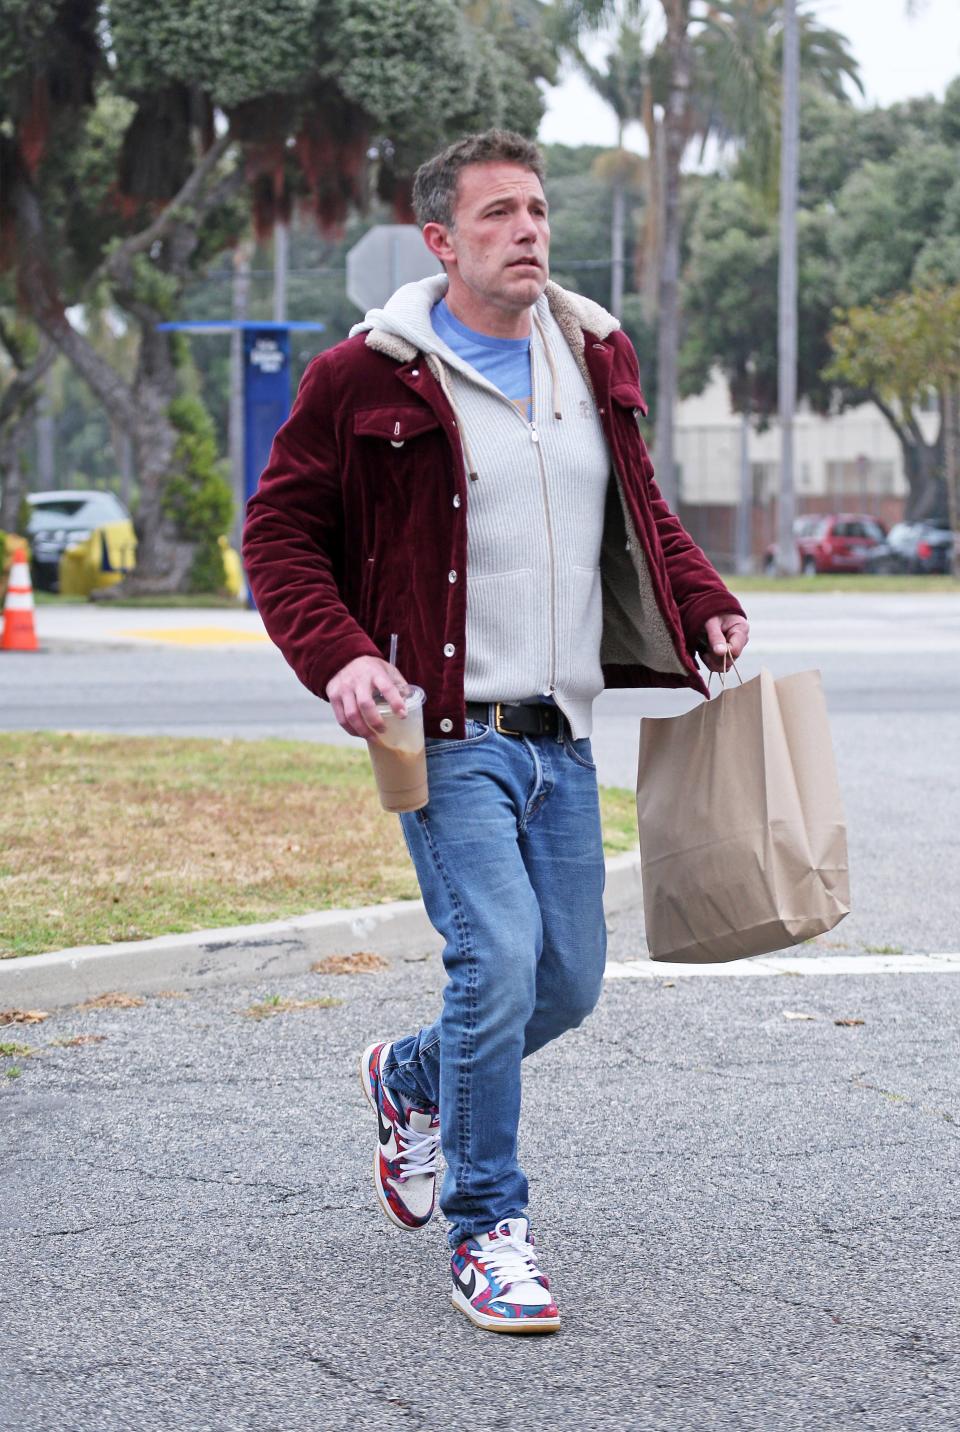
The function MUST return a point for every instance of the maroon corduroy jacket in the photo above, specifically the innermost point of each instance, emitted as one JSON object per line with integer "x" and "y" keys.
{"x": 360, "y": 520}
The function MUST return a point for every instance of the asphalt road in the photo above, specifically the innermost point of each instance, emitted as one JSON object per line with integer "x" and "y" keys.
{"x": 750, "y": 1221}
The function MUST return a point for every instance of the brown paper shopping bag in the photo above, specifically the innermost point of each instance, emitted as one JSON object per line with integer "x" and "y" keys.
{"x": 742, "y": 838}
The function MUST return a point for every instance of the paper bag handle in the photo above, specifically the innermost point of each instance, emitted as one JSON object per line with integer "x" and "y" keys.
{"x": 723, "y": 674}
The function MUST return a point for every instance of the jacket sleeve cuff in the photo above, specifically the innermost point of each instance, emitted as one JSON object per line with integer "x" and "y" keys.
{"x": 335, "y": 656}
{"x": 716, "y": 603}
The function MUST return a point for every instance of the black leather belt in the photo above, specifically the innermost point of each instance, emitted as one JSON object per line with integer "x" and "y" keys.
{"x": 520, "y": 719}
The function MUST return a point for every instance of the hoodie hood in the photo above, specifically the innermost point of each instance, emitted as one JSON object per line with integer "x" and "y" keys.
{"x": 402, "y": 328}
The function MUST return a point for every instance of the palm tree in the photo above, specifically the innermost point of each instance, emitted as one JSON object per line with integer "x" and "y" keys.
{"x": 622, "y": 82}
{"x": 714, "y": 75}
{"x": 787, "y": 556}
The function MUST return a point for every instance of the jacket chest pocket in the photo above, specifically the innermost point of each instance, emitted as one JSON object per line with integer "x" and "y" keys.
{"x": 628, "y": 406}
{"x": 392, "y": 436}
{"x": 399, "y": 452}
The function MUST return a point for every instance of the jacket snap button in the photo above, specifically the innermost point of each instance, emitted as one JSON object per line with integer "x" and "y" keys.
{"x": 456, "y": 500}
{"x": 451, "y": 576}
{"x": 395, "y": 444}
{"x": 446, "y": 724}
{"x": 449, "y": 649}
{"x": 414, "y": 372}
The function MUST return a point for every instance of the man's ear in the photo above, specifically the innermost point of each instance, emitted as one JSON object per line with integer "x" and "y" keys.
{"x": 436, "y": 238}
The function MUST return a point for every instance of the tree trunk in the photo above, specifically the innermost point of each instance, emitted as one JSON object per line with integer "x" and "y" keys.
{"x": 164, "y": 559}
{"x": 281, "y": 269}
{"x": 647, "y": 262}
{"x": 17, "y": 417}
{"x": 617, "y": 219}
{"x": 668, "y": 307}
{"x": 787, "y": 555}
{"x": 922, "y": 464}
{"x": 949, "y": 408}
{"x": 138, "y": 409}
{"x": 743, "y": 559}
{"x": 46, "y": 438}
{"x": 13, "y": 439}
{"x": 240, "y": 310}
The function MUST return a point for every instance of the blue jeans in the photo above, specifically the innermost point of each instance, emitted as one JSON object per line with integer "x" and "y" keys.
{"x": 509, "y": 857}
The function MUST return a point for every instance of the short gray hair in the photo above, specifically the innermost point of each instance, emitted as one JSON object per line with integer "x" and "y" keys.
{"x": 435, "y": 182}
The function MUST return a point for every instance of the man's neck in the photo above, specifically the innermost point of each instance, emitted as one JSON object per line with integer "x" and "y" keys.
{"x": 486, "y": 318}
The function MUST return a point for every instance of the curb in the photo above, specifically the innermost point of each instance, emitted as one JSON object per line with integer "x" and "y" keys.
{"x": 205, "y": 958}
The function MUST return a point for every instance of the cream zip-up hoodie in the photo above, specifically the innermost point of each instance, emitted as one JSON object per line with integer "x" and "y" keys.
{"x": 535, "y": 513}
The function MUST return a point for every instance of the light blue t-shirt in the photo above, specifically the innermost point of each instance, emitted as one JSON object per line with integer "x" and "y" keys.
{"x": 504, "y": 362}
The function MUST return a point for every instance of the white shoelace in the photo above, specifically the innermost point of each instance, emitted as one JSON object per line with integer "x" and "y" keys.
{"x": 511, "y": 1260}
{"x": 417, "y": 1151}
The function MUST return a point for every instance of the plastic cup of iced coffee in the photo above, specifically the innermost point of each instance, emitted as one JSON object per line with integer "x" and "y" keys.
{"x": 398, "y": 754}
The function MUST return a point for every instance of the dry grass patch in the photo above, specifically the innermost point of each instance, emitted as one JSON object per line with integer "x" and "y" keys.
{"x": 363, "y": 962}
{"x": 113, "y": 999}
{"x": 276, "y": 1004}
{"x": 108, "y": 838}
{"x": 23, "y": 1016}
{"x": 122, "y": 838}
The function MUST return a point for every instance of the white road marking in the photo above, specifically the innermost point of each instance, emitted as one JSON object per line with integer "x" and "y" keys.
{"x": 806, "y": 965}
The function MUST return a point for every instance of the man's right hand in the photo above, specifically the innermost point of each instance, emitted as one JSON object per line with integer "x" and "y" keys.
{"x": 351, "y": 694}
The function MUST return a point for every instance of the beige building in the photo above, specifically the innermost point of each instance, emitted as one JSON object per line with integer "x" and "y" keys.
{"x": 849, "y": 462}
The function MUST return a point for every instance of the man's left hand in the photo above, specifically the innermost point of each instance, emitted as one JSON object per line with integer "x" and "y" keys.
{"x": 725, "y": 638}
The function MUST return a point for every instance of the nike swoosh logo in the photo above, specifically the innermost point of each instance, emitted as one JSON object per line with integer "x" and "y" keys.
{"x": 468, "y": 1288}
{"x": 386, "y": 1133}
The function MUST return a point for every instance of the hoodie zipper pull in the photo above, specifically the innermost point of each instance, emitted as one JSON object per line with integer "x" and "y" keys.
{"x": 534, "y": 435}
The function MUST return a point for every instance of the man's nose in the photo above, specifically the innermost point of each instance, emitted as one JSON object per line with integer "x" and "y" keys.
{"x": 526, "y": 229}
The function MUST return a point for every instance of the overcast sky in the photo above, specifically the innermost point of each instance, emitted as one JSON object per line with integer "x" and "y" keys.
{"x": 898, "y": 57}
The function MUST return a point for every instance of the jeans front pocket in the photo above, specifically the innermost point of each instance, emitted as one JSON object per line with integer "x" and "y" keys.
{"x": 581, "y": 752}
{"x": 440, "y": 746}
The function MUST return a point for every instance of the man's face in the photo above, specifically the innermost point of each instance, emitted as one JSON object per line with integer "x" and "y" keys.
{"x": 499, "y": 244}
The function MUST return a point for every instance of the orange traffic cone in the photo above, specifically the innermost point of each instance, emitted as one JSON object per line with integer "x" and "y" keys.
{"x": 19, "y": 627}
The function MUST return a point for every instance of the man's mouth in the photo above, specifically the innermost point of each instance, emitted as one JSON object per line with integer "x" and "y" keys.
{"x": 524, "y": 263}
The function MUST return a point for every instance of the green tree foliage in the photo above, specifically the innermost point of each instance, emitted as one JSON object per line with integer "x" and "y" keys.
{"x": 197, "y": 495}
{"x": 730, "y": 296}
{"x": 134, "y": 137}
{"x": 899, "y": 349}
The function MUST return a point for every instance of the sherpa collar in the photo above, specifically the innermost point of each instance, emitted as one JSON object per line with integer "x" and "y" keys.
{"x": 572, "y": 313}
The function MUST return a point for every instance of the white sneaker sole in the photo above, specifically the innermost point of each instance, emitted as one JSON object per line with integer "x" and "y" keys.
{"x": 502, "y": 1325}
{"x": 382, "y": 1199}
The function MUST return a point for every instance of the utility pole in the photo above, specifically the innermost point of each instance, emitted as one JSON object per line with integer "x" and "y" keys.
{"x": 787, "y": 563}
{"x": 240, "y": 304}
{"x": 281, "y": 264}
{"x": 743, "y": 556}
{"x": 617, "y": 227}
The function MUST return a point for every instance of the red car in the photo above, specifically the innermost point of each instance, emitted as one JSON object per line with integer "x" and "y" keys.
{"x": 841, "y": 542}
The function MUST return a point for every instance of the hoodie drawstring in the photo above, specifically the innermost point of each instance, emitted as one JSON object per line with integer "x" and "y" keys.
{"x": 472, "y": 473}
{"x": 554, "y": 380}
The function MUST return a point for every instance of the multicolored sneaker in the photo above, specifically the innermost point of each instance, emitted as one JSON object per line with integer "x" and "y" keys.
{"x": 405, "y": 1159}
{"x": 497, "y": 1283}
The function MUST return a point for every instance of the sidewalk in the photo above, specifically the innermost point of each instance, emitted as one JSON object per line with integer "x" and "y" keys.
{"x": 99, "y": 623}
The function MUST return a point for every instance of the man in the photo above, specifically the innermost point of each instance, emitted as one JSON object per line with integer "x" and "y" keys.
{"x": 466, "y": 470}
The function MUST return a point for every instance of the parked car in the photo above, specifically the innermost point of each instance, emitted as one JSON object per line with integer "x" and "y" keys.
{"x": 918, "y": 547}
{"x": 840, "y": 542}
{"x": 802, "y": 527}
{"x": 59, "y": 520}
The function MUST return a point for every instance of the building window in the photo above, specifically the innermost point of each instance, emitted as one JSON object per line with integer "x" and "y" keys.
{"x": 860, "y": 478}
